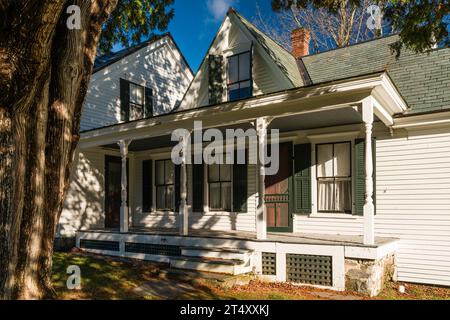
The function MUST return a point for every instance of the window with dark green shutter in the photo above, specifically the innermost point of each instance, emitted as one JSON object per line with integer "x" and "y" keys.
{"x": 302, "y": 179}
{"x": 360, "y": 175}
{"x": 136, "y": 101}
{"x": 147, "y": 186}
{"x": 216, "y": 81}
{"x": 124, "y": 100}
{"x": 197, "y": 187}
{"x": 148, "y": 112}
{"x": 240, "y": 181}
{"x": 177, "y": 187}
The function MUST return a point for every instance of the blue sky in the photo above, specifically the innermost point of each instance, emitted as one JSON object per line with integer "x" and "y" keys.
{"x": 196, "y": 23}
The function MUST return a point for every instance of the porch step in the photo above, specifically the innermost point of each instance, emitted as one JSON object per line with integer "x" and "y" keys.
{"x": 215, "y": 265}
{"x": 219, "y": 253}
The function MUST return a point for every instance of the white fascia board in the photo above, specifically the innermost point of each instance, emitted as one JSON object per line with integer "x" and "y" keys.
{"x": 388, "y": 96}
{"x": 382, "y": 113}
{"x": 430, "y": 120}
{"x": 304, "y": 100}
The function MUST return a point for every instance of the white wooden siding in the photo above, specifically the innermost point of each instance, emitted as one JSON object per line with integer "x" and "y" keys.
{"x": 413, "y": 204}
{"x": 158, "y": 66}
{"x": 85, "y": 201}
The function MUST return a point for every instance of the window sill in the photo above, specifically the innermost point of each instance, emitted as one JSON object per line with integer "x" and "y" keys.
{"x": 333, "y": 216}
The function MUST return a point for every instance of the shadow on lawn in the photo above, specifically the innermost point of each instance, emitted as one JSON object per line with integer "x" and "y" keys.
{"x": 104, "y": 278}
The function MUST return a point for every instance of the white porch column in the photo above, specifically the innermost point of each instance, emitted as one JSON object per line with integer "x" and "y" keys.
{"x": 369, "y": 208}
{"x": 261, "y": 212}
{"x": 184, "y": 216}
{"x": 124, "y": 210}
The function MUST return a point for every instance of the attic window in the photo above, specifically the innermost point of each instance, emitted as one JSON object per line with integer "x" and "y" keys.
{"x": 240, "y": 84}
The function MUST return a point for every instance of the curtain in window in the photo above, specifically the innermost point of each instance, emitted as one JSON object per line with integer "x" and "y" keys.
{"x": 334, "y": 177}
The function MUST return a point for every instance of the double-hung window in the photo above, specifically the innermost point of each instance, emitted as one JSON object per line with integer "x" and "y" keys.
{"x": 240, "y": 84}
{"x": 137, "y": 100}
{"x": 219, "y": 183}
{"x": 334, "y": 178}
{"x": 165, "y": 185}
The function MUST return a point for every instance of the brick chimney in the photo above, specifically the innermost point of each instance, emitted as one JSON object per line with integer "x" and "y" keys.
{"x": 300, "y": 42}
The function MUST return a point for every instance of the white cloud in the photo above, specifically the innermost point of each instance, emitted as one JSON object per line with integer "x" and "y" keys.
{"x": 218, "y": 8}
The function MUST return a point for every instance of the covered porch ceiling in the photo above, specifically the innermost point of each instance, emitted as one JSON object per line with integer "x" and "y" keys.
{"x": 319, "y": 106}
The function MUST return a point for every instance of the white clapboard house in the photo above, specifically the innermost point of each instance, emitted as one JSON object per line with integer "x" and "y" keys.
{"x": 363, "y": 190}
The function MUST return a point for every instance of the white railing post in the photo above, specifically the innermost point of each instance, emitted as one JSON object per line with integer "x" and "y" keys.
{"x": 124, "y": 210}
{"x": 369, "y": 208}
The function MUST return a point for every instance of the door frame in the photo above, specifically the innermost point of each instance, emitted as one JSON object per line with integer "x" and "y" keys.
{"x": 290, "y": 228}
{"x": 115, "y": 159}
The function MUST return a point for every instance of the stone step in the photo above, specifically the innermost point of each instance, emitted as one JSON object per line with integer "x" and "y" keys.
{"x": 214, "y": 265}
{"x": 220, "y": 253}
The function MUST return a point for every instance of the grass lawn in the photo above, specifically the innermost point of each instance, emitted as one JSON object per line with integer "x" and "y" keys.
{"x": 106, "y": 278}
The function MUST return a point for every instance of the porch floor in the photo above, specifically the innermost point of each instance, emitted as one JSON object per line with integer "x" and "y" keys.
{"x": 296, "y": 238}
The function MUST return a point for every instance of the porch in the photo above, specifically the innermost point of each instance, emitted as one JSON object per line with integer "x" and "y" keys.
{"x": 191, "y": 231}
{"x": 331, "y": 261}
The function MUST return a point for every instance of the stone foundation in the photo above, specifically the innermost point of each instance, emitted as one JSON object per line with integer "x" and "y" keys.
{"x": 369, "y": 276}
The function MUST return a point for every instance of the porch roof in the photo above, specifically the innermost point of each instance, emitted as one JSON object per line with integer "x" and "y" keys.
{"x": 330, "y": 96}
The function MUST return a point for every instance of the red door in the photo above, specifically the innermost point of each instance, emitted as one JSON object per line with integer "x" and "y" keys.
{"x": 277, "y": 193}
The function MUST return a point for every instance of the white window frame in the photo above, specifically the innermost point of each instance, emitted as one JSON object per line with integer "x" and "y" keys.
{"x": 207, "y": 209}
{"x": 324, "y": 139}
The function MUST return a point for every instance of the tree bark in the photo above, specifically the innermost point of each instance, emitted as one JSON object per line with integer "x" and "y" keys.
{"x": 45, "y": 69}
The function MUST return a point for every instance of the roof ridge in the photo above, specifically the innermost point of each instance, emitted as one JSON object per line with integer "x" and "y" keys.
{"x": 352, "y": 45}
{"x": 232, "y": 10}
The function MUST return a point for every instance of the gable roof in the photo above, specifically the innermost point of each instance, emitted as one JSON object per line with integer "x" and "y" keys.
{"x": 422, "y": 79}
{"x": 283, "y": 58}
{"x": 106, "y": 60}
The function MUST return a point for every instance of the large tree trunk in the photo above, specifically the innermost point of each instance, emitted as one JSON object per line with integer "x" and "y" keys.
{"x": 45, "y": 69}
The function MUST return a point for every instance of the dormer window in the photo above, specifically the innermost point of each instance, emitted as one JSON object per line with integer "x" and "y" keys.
{"x": 240, "y": 85}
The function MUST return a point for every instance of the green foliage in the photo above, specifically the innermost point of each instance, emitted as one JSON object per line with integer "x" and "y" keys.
{"x": 135, "y": 20}
{"x": 421, "y": 24}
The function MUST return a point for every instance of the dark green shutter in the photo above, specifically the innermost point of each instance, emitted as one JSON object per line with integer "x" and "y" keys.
{"x": 216, "y": 81}
{"x": 148, "y": 103}
{"x": 124, "y": 100}
{"x": 197, "y": 187}
{"x": 177, "y": 187}
{"x": 360, "y": 175}
{"x": 147, "y": 185}
{"x": 302, "y": 179}
{"x": 240, "y": 193}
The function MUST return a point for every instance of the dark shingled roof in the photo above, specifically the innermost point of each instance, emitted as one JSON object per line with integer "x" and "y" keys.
{"x": 106, "y": 60}
{"x": 422, "y": 79}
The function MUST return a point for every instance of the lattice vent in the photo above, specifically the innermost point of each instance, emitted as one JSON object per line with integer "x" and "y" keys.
{"x": 269, "y": 264}
{"x": 153, "y": 249}
{"x": 316, "y": 270}
{"x": 100, "y": 245}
